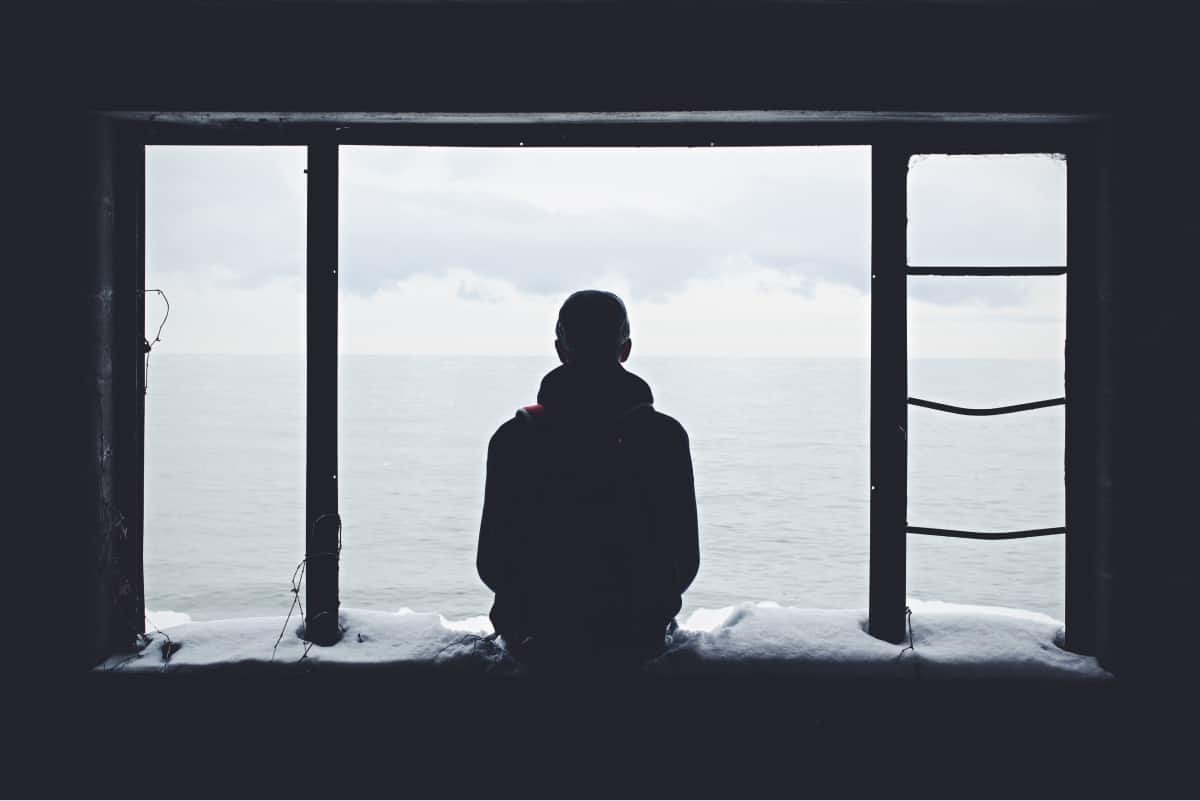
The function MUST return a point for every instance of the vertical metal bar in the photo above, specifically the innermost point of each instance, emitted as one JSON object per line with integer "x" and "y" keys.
{"x": 322, "y": 525}
{"x": 102, "y": 628}
{"x": 1083, "y": 392}
{"x": 1105, "y": 644}
{"x": 129, "y": 381}
{"x": 889, "y": 390}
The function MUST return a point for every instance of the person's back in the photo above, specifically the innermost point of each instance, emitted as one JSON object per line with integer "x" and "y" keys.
{"x": 589, "y": 534}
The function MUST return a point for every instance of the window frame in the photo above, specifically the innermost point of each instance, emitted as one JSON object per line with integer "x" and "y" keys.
{"x": 893, "y": 136}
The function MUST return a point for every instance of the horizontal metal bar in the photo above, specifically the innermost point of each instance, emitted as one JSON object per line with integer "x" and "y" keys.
{"x": 941, "y": 119}
{"x": 589, "y": 134}
{"x": 919, "y": 132}
{"x": 1019, "y": 407}
{"x": 997, "y": 271}
{"x": 986, "y": 535}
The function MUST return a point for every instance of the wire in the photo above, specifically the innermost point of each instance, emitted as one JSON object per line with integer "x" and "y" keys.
{"x": 462, "y": 641}
{"x": 298, "y": 581}
{"x": 168, "y": 648}
{"x": 299, "y": 571}
{"x": 166, "y": 314}
{"x": 149, "y": 346}
{"x": 143, "y": 639}
{"x": 911, "y": 644}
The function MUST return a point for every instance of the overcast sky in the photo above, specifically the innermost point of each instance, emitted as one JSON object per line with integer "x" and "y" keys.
{"x": 724, "y": 251}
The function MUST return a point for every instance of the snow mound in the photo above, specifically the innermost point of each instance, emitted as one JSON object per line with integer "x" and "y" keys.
{"x": 948, "y": 641}
{"x": 165, "y": 619}
{"x": 369, "y": 638}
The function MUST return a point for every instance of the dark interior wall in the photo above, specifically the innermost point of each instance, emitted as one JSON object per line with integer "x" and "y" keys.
{"x": 275, "y": 56}
{"x": 1156, "y": 289}
{"x": 505, "y": 56}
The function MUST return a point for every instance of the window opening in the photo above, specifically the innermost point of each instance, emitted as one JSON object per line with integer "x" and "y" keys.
{"x": 745, "y": 274}
{"x": 225, "y": 418}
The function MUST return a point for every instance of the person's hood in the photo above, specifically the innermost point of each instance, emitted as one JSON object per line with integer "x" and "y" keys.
{"x": 594, "y": 392}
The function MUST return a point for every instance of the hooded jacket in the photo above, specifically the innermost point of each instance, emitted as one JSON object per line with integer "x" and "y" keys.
{"x": 589, "y": 532}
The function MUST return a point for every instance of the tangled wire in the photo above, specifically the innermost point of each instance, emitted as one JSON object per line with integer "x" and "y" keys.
{"x": 911, "y": 644}
{"x": 149, "y": 345}
{"x": 298, "y": 581}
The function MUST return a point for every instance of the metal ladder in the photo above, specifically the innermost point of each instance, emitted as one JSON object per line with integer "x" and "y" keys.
{"x": 889, "y": 381}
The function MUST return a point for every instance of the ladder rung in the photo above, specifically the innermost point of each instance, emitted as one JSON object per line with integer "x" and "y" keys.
{"x": 1019, "y": 407}
{"x": 986, "y": 535}
{"x": 987, "y": 270}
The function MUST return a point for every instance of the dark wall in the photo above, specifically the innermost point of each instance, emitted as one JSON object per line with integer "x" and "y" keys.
{"x": 1157, "y": 305}
{"x": 1125, "y": 60}
{"x": 584, "y": 55}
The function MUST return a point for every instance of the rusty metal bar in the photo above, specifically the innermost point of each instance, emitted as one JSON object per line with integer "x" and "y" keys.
{"x": 322, "y": 527}
{"x": 984, "y": 412}
{"x": 987, "y": 535}
{"x": 889, "y": 390}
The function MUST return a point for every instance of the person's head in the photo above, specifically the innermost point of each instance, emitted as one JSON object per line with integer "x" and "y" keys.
{"x": 593, "y": 328}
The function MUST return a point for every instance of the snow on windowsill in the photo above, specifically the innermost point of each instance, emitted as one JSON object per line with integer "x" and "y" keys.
{"x": 948, "y": 641}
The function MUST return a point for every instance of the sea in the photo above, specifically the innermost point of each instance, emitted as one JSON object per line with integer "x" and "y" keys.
{"x": 779, "y": 447}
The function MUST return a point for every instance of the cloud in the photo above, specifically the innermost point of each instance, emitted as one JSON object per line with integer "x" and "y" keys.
{"x": 209, "y": 315}
{"x": 540, "y": 219}
{"x": 547, "y": 220}
{"x": 475, "y": 290}
{"x": 745, "y": 309}
{"x": 1033, "y": 325}
{"x": 538, "y": 223}
{"x": 1007, "y": 210}
{"x": 237, "y": 212}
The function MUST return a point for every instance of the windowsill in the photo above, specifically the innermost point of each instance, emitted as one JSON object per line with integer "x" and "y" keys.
{"x": 949, "y": 642}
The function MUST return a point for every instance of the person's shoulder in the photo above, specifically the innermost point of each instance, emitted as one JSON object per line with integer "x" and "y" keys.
{"x": 669, "y": 426}
{"x": 510, "y": 431}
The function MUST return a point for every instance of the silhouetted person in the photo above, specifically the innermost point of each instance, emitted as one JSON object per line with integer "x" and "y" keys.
{"x": 589, "y": 534}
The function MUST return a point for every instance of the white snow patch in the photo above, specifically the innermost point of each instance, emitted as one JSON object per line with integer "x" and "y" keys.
{"x": 368, "y": 638}
{"x": 949, "y": 640}
{"x": 480, "y": 624}
{"x": 165, "y": 619}
{"x": 706, "y": 619}
{"x": 1003, "y": 611}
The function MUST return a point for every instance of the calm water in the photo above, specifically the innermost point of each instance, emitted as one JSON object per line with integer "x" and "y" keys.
{"x": 780, "y": 454}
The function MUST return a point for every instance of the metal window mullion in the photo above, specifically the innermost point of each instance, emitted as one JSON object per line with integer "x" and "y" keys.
{"x": 889, "y": 391}
{"x": 322, "y": 525}
{"x": 129, "y": 385}
{"x": 1083, "y": 467}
